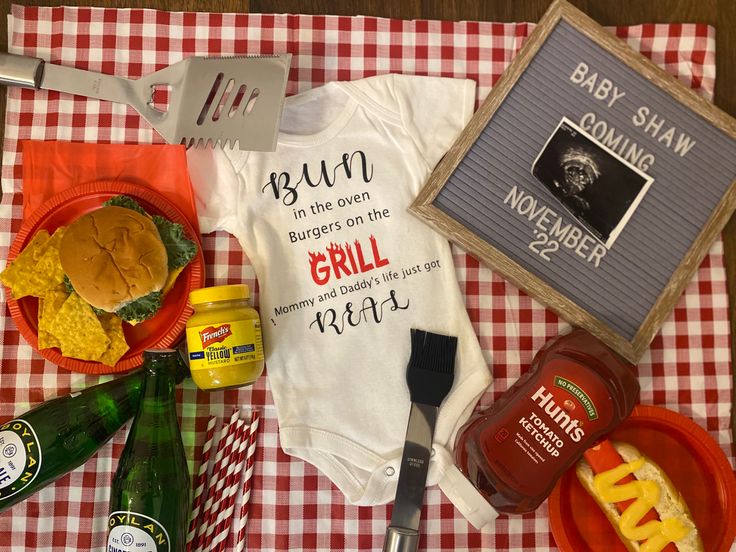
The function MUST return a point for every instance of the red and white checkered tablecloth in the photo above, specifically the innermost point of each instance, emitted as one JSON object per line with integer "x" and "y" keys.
{"x": 294, "y": 507}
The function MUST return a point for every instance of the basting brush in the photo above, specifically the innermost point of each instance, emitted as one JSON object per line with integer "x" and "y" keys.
{"x": 429, "y": 375}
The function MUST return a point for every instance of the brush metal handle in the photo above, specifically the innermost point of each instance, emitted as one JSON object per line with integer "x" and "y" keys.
{"x": 414, "y": 466}
{"x": 401, "y": 539}
{"x": 23, "y": 71}
{"x": 402, "y": 534}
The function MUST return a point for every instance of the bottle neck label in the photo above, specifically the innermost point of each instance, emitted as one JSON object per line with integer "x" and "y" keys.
{"x": 133, "y": 532}
{"x": 20, "y": 457}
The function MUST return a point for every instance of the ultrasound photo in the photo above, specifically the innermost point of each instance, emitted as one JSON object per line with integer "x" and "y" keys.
{"x": 596, "y": 186}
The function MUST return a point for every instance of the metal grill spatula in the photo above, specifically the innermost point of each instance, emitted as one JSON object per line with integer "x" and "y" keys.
{"x": 210, "y": 100}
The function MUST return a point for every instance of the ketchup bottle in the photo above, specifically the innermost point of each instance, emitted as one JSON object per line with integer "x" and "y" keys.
{"x": 515, "y": 451}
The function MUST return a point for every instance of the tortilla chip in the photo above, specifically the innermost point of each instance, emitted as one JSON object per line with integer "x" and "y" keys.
{"x": 47, "y": 272}
{"x": 48, "y": 307}
{"x": 78, "y": 330}
{"x": 16, "y": 274}
{"x": 45, "y": 339}
{"x": 37, "y": 269}
{"x": 113, "y": 326}
{"x": 36, "y": 246}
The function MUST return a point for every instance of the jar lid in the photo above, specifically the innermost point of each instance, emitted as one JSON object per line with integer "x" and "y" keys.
{"x": 233, "y": 292}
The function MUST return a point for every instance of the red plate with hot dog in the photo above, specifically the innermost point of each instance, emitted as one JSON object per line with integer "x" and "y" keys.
{"x": 659, "y": 482}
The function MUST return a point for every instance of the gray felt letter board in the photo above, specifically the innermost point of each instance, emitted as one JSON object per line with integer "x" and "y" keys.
{"x": 590, "y": 179}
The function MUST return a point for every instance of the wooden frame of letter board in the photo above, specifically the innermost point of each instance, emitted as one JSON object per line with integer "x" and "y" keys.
{"x": 565, "y": 306}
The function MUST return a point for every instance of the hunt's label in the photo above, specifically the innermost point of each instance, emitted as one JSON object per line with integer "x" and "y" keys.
{"x": 550, "y": 425}
{"x": 217, "y": 345}
{"x": 20, "y": 457}
{"x": 133, "y": 532}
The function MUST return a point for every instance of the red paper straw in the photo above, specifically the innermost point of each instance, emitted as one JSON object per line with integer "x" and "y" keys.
{"x": 249, "y": 459}
{"x": 200, "y": 481}
{"x": 226, "y": 436}
{"x": 223, "y": 478}
{"x": 225, "y": 516}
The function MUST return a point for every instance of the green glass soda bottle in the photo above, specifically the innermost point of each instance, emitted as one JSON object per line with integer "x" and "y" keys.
{"x": 60, "y": 435}
{"x": 149, "y": 501}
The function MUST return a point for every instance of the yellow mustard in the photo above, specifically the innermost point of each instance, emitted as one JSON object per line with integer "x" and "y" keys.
{"x": 224, "y": 338}
{"x": 657, "y": 534}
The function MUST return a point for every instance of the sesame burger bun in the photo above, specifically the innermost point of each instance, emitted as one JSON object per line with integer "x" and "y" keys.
{"x": 113, "y": 256}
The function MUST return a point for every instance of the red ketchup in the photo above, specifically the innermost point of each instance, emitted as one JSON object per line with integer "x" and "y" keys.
{"x": 515, "y": 451}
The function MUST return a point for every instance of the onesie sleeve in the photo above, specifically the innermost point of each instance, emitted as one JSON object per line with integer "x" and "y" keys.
{"x": 433, "y": 110}
{"x": 216, "y": 189}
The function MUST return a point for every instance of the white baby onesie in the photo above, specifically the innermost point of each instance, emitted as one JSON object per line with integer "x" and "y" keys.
{"x": 345, "y": 271}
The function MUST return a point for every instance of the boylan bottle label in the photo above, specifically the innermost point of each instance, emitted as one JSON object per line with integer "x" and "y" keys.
{"x": 20, "y": 457}
{"x": 133, "y": 532}
{"x": 217, "y": 345}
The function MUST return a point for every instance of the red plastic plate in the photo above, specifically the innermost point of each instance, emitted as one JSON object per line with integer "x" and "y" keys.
{"x": 160, "y": 331}
{"x": 693, "y": 461}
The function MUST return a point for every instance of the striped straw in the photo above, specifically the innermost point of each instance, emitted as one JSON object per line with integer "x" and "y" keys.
{"x": 249, "y": 460}
{"x": 225, "y": 516}
{"x": 200, "y": 480}
{"x": 226, "y": 436}
{"x": 224, "y": 478}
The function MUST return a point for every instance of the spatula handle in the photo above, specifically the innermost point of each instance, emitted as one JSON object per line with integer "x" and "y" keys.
{"x": 22, "y": 71}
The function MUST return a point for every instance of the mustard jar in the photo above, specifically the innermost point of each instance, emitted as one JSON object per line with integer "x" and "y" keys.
{"x": 224, "y": 338}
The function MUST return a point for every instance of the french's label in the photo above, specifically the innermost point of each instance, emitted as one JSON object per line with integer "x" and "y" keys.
{"x": 20, "y": 457}
{"x": 214, "y": 334}
{"x": 218, "y": 345}
{"x": 133, "y": 532}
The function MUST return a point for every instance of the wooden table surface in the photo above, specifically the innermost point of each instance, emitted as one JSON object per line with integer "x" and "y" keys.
{"x": 719, "y": 13}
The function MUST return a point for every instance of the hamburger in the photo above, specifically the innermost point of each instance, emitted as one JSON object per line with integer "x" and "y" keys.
{"x": 122, "y": 260}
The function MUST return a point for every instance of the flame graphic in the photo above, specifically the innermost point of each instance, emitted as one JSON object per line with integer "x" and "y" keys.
{"x": 315, "y": 258}
{"x": 334, "y": 248}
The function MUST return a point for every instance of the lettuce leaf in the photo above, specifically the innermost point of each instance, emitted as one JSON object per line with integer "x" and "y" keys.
{"x": 127, "y": 202}
{"x": 68, "y": 284}
{"x": 142, "y": 308}
{"x": 179, "y": 248}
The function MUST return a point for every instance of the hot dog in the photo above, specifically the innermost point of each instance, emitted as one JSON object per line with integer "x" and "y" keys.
{"x": 638, "y": 498}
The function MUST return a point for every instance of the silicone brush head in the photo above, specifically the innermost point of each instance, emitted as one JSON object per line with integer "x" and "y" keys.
{"x": 431, "y": 368}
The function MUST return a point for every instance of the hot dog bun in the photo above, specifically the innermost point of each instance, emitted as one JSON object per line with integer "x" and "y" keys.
{"x": 671, "y": 504}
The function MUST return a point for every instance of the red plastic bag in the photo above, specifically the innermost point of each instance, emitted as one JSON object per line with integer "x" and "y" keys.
{"x": 52, "y": 167}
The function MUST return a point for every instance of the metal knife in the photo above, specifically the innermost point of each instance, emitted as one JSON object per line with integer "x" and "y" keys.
{"x": 402, "y": 534}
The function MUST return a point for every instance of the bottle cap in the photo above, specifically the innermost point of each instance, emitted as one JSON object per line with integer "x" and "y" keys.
{"x": 233, "y": 292}
{"x": 148, "y": 354}
{"x": 461, "y": 492}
